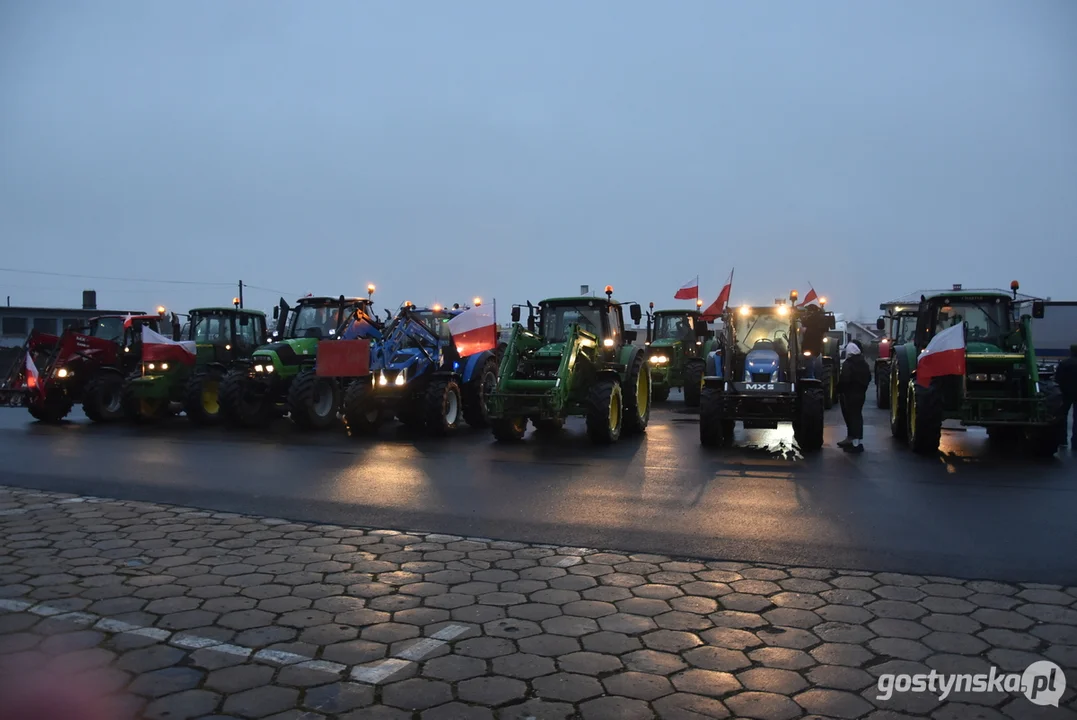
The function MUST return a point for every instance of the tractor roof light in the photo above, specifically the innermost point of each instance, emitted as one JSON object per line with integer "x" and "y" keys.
{"x": 699, "y": 303}
{"x": 609, "y": 292}
{"x": 160, "y": 309}
{"x": 477, "y": 302}
{"x": 793, "y": 295}
{"x": 407, "y": 304}
{"x": 437, "y": 308}
{"x": 822, "y": 301}
{"x": 370, "y": 289}
{"x": 235, "y": 301}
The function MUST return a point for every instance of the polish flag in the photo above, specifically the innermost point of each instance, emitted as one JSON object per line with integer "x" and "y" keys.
{"x": 688, "y": 291}
{"x": 812, "y": 296}
{"x": 158, "y": 348}
{"x": 944, "y": 355}
{"x": 473, "y": 331}
{"x": 33, "y": 377}
{"x": 716, "y": 308}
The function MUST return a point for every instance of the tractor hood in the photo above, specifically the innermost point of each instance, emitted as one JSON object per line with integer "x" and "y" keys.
{"x": 289, "y": 352}
{"x": 552, "y": 350}
{"x": 401, "y": 358}
{"x": 761, "y": 361}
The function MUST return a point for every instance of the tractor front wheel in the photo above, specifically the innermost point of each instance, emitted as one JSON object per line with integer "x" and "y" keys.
{"x": 313, "y": 401}
{"x": 637, "y": 397}
{"x": 509, "y": 429}
{"x": 139, "y": 409}
{"x": 240, "y": 407}
{"x": 808, "y": 428}
{"x": 362, "y": 416}
{"x": 693, "y": 384}
{"x": 660, "y": 393}
{"x": 605, "y": 412}
{"x": 202, "y": 398}
{"x": 477, "y": 391}
{"x": 102, "y": 398}
{"x": 924, "y": 411}
{"x": 52, "y": 409}
{"x": 442, "y": 406}
{"x": 714, "y": 430}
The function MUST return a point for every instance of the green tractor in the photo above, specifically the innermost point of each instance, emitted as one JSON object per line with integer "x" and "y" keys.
{"x": 898, "y": 326}
{"x": 173, "y": 376}
{"x": 677, "y": 344}
{"x": 281, "y": 377}
{"x": 575, "y": 358}
{"x": 1000, "y": 389}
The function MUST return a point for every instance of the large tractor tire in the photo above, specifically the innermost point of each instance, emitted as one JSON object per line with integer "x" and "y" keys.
{"x": 1043, "y": 442}
{"x": 659, "y": 393}
{"x": 882, "y": 387}
{"x": 102, "y": 398}
{"x": 442, "y": 406}
{"x": 362, "y": 415}
{"x": 808, "y": 426}
{"x": 139, "y": 409}
{"x": 830, "y": 386}
{"x": 509, "y": 429}
{"x": 54, "y": 408}
{"x": 482, "y": 383}
{"x": 715, "y": 431}
{"x": 238, "y": 407}
{"x": 924, "y": 413}
{"x": 202, "y": 397}
{"x": 410, "y": 416}
{"x": 549, "y": 426}
{"x": 605, "y": 412}
{"x": 898, "y": 389}
{"x": 313, "y": 401}
{"x": 637, "y": 396}
{"x": 693, "y": 383}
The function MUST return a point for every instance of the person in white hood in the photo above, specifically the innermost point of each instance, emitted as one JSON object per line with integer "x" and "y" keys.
{"x": 853, "y": 385}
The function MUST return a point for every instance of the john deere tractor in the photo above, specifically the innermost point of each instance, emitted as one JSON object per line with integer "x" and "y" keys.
{"x": 676, "y": 347}
{"x": 281, "y": 377}
{"x": 766, "y": 369}
{"x": 898, "y": 326}
{"x": 221, "y": 336}
{"x": 416, "y": 374}
{"x": 1000, "y": 388}
{"x": 574, "y": 358}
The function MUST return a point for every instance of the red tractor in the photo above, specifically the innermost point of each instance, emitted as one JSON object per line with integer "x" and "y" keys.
{"x": 85, "y": 364}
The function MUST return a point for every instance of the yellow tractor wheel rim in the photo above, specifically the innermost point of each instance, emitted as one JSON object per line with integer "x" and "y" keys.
{"x": 210, "y": 400}
{"x": 643, "y": 391}
{"x": 615, "y": 410}
{"x": 149, "y": 407}
{"x": 894, "y": 395}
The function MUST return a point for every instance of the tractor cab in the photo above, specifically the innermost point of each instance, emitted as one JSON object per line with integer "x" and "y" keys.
{"x": 761, "y": 338}
{"x": 223, "y": 333}
{"x": 318, "y": 318}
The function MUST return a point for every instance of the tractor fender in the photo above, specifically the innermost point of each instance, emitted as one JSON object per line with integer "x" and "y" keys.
{"x": 608, "y": 375}
{"x": 904, "y": 360}
{"x": 475, "y": 363}
{"x": 108, "y": 370}
{"x": 628, "y": 355}
{"x": 218, "y": 366}
{"x": 714, "y": 364}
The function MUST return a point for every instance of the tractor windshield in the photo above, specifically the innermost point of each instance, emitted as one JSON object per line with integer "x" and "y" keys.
{"x": 314, "y": 321}
{"x": 557, "y": 319}
{"x": 672, "y": 327}
{"x": 211, "y": 328}
{"x": 106, "y": 328}
{"x": 903, "y": 329}
{"x": 436, "y": 322}
{"x": 988, "y": 322}
{"x": 766, "y": 327}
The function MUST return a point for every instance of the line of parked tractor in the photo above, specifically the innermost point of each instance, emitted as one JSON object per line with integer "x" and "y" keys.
{"x": 331, "y": 359}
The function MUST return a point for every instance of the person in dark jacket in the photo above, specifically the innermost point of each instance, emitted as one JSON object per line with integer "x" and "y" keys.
{"x": 1066, "y": 377}
{"x": 853, "y": 385}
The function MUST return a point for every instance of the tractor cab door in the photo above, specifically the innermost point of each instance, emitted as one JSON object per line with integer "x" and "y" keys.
{"x": 615, "y": 327}
{"x": 248, "y": 333}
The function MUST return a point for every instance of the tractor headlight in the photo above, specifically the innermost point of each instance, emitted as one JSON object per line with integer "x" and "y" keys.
{"x": 62, "y": 373}
{"x": 269, "y": 368}
{"x": 164, "y": 366}
{"x": 259, "y": 368}
{"x": 978, "y": 377}
{"x": 151, "y": 366}
{"x": 658, "y": 359}
{"x": 400, "y": 378}
{"x": 382, "y": 380}
{"x": 998, "y": 377}
{"x": 608, "y": 342}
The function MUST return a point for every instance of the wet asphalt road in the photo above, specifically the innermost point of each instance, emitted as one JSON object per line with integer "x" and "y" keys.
{"x": 973, "y": 512}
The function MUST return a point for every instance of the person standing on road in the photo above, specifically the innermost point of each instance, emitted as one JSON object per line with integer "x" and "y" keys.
{"x": 853, "y": 385}
{"x": 1066, "y": 377}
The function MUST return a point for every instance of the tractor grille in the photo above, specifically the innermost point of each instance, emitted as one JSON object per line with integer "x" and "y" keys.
{"x": 761, "y": 377}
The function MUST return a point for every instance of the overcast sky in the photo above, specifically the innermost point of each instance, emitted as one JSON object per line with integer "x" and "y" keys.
{"x": 517, "y": 150}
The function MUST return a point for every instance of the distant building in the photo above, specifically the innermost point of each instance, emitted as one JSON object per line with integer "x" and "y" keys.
{"x": 16, "y": 322}
{"x": 860, "y": 331}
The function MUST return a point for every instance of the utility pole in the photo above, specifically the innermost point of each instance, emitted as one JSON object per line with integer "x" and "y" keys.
{"x": 241, "y": 294}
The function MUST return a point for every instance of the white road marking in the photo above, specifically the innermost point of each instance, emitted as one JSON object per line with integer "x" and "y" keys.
{"x": 371, "y": 674}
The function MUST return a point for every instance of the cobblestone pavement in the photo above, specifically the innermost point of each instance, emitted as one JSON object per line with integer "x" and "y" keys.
{"x": 186, "y": 613}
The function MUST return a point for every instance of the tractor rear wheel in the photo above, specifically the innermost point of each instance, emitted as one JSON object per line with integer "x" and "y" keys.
{"x": 637, "y": 396}
{"x": 362, "y": 415}
{"x": 476, "y": 391}
{"x": 313, "y": 401}
{"x": 240, "y": 408}
{"x": 1043, "y": 442}
{"x": 808, "y": 427}
{"x": 442, "y": 406}
{"x": 693, "y": 383}
{"x": 52, "y": 409}
{"x": 714, "y": 430}
{"x": 660, "y": 393}
{"x": 509, "y": 429}
{"x": 102, "y": 398}
{"x": 605, "y": 412}
{"x": 202, "y": 397}
{"x": 924, "y": 411}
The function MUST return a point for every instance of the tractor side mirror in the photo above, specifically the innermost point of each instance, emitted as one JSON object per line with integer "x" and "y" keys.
{"x": 1038, "y": 309}
{"x": 276, "y": 312}
{"x": 880, "y": 324}
{"x": 516, "y": 313}
{"x": 831, "y": 324}
{"x": 636, "y": 312}
{"x": 630, "y": 335}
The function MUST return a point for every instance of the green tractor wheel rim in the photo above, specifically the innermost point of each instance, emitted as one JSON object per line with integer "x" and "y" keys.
{"x": 322, "y": 401}
{"x": 643, "y": 391}
{"x": 615, "y": 411}
{"x": 210, "y": 399}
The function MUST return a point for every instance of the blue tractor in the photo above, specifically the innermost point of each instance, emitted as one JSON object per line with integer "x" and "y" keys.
{"x": 417, "y": 375}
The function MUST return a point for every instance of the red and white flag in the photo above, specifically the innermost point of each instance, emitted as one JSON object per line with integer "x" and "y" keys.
{"x": 944, "y": 355}
{"x": 716, "y": 308}
{"x": 688, "y": 291}
{"x": 158, "y": 348}
{"x": 811, "y": 297}
{"x": 33, "y": 377}
{"x": 473, "y": 331}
